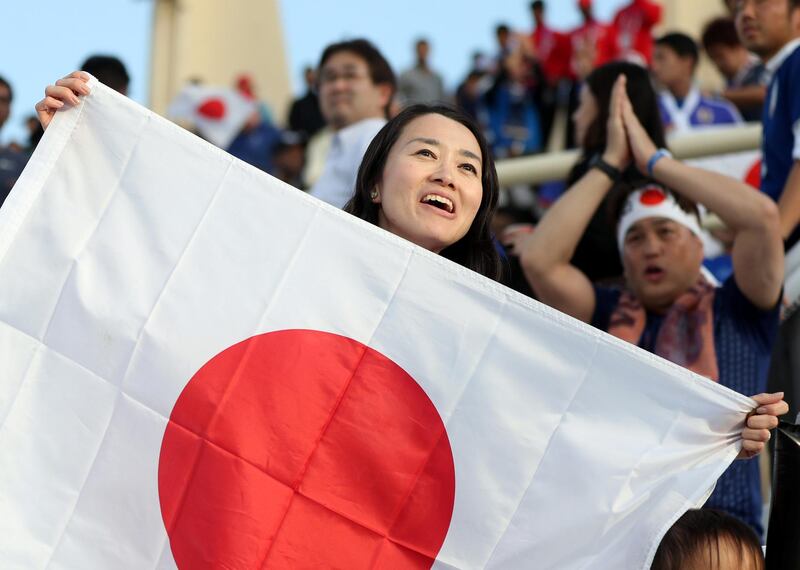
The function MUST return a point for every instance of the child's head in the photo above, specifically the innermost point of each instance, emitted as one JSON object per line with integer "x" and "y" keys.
{"x": 707, "y": 539}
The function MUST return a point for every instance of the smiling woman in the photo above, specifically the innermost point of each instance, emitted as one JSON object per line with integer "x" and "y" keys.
{"x": 428, "y": 177}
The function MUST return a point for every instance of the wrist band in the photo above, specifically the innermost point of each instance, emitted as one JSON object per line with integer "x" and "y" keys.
{"x": 613, "y": 173}
{"x": 657, "y": 155}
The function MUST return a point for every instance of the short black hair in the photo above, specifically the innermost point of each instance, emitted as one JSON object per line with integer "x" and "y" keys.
{"x": 537, "y": 5}
{"x": 379, "y": 69}
{"x": 476, "y": 250}
{"x": 720, "y": 32}
{"x": 501, "y": 29}
{"x": 7, "y": 85}
{"x": 697, "y": 536}
{"x": 681, "y": 44}
{"x": 108, "y": 70}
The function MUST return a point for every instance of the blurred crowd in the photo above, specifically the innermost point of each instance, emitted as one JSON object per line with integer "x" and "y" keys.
{"x": 523, "y": 95}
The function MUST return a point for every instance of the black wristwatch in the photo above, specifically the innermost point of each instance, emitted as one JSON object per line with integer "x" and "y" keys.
{"x": 612, "y": 172}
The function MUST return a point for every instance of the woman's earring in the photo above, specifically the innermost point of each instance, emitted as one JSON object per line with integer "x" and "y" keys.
{"x": 373, "y": 194}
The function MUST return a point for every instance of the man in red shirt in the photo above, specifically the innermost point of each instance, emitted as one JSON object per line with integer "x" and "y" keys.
{"x": 550, "y": 47}
{"x": 551, "y": 53}
{"x": 589, "y": 44}
{"x": 632, "y": 29}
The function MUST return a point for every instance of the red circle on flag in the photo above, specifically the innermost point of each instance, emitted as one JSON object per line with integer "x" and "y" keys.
{"x": 304, "y": 449}
{"x": 652, "y": 197}
{"x": 212, "y": 109}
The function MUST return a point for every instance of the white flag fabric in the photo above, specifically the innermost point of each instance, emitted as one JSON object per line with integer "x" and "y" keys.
{"x": 201, "y": 366}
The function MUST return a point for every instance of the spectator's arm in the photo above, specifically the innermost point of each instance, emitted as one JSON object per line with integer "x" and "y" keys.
{"x": 789, "y": 202}
{"x": 545, "y": 254}
{"x": 747, "y": 96}
{"x": 752, "y": 216}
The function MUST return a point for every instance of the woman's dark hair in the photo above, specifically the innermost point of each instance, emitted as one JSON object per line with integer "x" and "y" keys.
{"x": 696, "y": 540}
{"x": 644, "y": 101}
{"x": 597, "y": 254}
{"x": 476, "y": 250}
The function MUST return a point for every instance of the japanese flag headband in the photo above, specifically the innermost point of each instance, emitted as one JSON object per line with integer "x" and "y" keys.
{"x": 653, "y": 201}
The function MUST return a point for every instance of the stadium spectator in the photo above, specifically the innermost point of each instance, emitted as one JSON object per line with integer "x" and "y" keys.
{"x": 109, "y": 70}
{"x": 770, "y": 29}
{"x": 596, "y": 254}
{"x": 35, "y": 132}
{"x": 632, "y": 31}
{"x": 506, "y": 45}
{"x": 468, "y": 94}
{"x": 12, "y": 161}
{"x": 743, "y": 72}
{"x": 305, "y": 115}
{"x": 420, "y": 84}
{"x": 288, "y": 157}
{"x": 590, "y": 47}
{"x": 427, "y": 159}
{"x": 255, "y": 143}
{"x": 709, "y": 539}
{"x": 550, "y": 50}
{"x": 245, "y": 87}
{"x": 511, "y": 108}
{"x": 589, "y": 43}
{"x": 683, "y": 106}
{"x": 667, "y": 306}
{"x": 356, "y": 86}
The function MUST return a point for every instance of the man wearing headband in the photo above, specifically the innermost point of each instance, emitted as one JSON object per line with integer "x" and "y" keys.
{"x": 667, "y": 306}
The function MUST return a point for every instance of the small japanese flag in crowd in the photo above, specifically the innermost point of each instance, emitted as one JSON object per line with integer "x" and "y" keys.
{"x": 218, "y": 113}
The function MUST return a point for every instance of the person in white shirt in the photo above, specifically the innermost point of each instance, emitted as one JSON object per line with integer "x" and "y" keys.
{"x": 356, "y": 86}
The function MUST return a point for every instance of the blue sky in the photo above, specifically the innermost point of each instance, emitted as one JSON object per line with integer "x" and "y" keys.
{"x": 43, "y": 40}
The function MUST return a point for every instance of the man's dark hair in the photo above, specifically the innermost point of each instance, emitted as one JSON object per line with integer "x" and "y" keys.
{"x": 681, "y": 44}
{"x": 537, "y": 5}
{"x": 720, "y": 32}
{"x": 696, "y": 539}
{"x": 7, "y": 85}
{"x": 476, "y": 250}
{"x": 502, "y": 29}
{"x": 109, "y": 70}
{"x": 379, "y": 69}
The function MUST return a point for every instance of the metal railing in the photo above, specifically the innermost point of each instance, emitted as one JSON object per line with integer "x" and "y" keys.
{"x": 539, "y": 168}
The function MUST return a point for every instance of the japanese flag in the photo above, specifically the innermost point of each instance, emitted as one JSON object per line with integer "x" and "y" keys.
{"x": 203, "y": 367}
{"x": 218, "y": 114}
